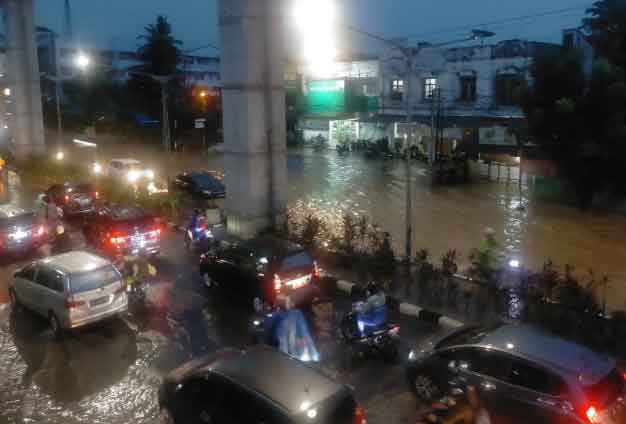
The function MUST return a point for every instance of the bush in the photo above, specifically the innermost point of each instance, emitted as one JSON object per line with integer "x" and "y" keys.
{"x": 40, "y": 172}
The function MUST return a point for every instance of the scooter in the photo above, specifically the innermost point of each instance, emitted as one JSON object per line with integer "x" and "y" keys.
{"x": 199, "y": 235}
{"x": 382, "y": 341}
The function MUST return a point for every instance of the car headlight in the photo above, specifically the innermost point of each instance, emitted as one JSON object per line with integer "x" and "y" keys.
{"x": 97, "y": 168}
{"x": 150, "y": 174}
{"x": 133, "y": 176}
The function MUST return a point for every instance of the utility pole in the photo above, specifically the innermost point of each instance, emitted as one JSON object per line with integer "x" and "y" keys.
{"x": 408, "y": 249}
{"x": 165, "y": 118}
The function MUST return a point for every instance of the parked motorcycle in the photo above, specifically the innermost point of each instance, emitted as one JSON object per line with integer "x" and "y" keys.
{"x": 382, "y": 341}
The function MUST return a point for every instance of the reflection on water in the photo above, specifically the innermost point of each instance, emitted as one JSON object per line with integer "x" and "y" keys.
{"x": 455, "y": 217}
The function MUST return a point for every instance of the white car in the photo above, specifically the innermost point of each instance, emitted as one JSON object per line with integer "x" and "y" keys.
{"x": 70, "y": 290}
{"x": 130, "y": 170}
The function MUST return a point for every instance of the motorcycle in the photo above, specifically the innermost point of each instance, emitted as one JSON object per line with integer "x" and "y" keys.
{"x": 382, "y": 341}
{"x": 201, "y": 234}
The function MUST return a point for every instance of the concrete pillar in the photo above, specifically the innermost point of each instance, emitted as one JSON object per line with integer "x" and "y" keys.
{"x": 23, "y": 77}
{"x": 255, "y": 151}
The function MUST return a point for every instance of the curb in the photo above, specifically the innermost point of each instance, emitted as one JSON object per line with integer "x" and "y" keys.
{"x": 409, "y": 309}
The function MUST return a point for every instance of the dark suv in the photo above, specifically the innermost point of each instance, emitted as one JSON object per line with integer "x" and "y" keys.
{"x": 258, "y": 385}
{"x": 264, "y": 271}
{"x": 123, "y": 230}
{"x": 523, "y": 375}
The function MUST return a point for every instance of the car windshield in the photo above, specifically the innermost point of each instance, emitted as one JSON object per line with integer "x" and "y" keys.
{"x": 607, "y": 390}
{"x": 207, "y": 182}
{"x": 299, "y": 260}
{"x": 92, "y": 280}
{"x": 25, "y": 219}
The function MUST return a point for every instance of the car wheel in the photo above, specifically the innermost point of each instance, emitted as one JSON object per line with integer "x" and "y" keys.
{"x": 165, "y": 417}
{"x": 257, "y": 304}
{"x": 208, "y": 281}
{"x": 425, "y": 387}
{"x": 55, "y": 325}
{"x": 15, "y": 303}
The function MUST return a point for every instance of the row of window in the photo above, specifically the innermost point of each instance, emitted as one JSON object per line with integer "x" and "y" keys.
{"x": 506, "y": 89}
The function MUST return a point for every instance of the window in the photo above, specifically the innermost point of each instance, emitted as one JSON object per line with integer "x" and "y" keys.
{"x": 397, "y": 89}
{"x": 50, "y": 278}
{"x": 508, "y": 88}
{"x": 481, "y": 361}
{"x": 91, "y": 280}
{"x": 28, "y": 273}
{"x": 533, "y": 378}
{"x": 430, "y": 86}
{"x": 468, "y": 89}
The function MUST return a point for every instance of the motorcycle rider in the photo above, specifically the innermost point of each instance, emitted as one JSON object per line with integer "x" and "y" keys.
{"x": 373, "y": 314}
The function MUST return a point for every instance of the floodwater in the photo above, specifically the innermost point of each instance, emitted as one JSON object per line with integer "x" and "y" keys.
{"x": 455, "y": 217}
{"x": 329, "y": 185}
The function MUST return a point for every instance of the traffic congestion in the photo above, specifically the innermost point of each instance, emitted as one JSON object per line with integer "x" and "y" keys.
{"x": 259, "y": 321}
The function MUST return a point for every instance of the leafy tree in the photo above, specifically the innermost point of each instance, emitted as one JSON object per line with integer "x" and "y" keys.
{"x": 607, "y": 29}
{"x": 161, "y": 55}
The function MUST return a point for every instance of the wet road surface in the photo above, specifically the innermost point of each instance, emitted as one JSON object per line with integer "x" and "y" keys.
{"x": 111, "y": 373}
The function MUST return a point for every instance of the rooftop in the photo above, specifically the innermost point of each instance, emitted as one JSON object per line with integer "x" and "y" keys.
{"x": 284, "y": 380}
{"x": 76, "y": 261}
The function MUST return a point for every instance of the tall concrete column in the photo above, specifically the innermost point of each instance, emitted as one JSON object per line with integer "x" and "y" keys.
{"x": 23, "y": 77}
{"x": 255, "y": 152}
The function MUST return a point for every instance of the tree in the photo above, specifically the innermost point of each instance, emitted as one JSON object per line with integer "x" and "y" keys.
{"x": 161, "y": 55}
{"x": 607, "y": 30}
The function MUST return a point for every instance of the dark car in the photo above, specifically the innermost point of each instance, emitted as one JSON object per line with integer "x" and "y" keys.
{"x": 265, "y": 271}
{"x": 72, "y": 197}
{"x": 258, "y": 385}
{"x": 123, "y": 230}
{"x": 522, "y": 375}
{"x": 20, "y": 230}
{"x": 204, "y": 185}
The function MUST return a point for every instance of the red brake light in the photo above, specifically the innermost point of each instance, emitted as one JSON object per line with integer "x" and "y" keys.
{"x": 96, "y": 194}
{"x": 40, "y": 231}
{"x": 359, "y": 416}
{"x": 118, "y": 239}
{"x": 67, "y": 198}
{"x": 316, "y": 270}
{"x": 592, "y": 415}
{"x": 277, "y": 283}
{"x": 71, "y": 303}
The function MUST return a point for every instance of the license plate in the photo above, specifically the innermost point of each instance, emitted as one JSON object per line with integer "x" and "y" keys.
{"x": 99, "y": 301}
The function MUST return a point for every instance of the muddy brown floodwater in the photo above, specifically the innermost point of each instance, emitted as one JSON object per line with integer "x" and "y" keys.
{"x": 449, "y": 217}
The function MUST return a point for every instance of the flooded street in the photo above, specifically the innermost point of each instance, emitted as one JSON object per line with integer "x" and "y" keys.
{"x": 329, "y": 185}
{"x": 455, "y": 217}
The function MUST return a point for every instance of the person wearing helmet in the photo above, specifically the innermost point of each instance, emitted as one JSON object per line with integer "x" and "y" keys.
{"x": 373, "y": 315}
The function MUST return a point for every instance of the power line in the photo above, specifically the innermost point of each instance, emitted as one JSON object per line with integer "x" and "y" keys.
{"x": 502, "y": 21}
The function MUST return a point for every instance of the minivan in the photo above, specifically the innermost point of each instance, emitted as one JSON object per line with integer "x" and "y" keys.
{"x": 70, "y": 290}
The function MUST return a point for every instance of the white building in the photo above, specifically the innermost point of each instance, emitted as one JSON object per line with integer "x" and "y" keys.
{"x": 470, "y": 93}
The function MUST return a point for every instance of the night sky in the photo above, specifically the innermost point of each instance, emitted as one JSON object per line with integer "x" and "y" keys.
{"x": 116, "y": 23}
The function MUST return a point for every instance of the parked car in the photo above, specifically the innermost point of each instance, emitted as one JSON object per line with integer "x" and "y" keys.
{"x": 203, "y": 185}
{"x": 263, "y": 272}
{"x": 21, "y": 231}
{"x": 257, "y": 385}
{"x": 73, "y": 198}
{"x": 130, "y": 170}
{"x": 122, "y": 230}
{"x": 70, "y": 290}
{"x": 522, "y": 375}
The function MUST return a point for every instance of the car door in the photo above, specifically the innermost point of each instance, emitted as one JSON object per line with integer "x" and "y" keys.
{"x": 480, "y": 368}
{"x": 24, "y": 285}
{"x": 533, "y": 394}
{"x": 53, "y": 293}
{"x": 40, "y": 297}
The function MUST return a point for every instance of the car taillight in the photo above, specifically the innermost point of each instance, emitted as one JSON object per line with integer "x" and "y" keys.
{"x": 592, "y": 415}
{"x": 96, "y": 195}
{"x": 41, "y": 230}
{"x": 117, "y": 239}
{"x": 154, "y": 233}
{"x": 359, "y": 416}
{"x": 67, "y": 198}
{"x": 316, "y": 270}
{"x": 70, "y": 303}
{"x": 277, "y": 283}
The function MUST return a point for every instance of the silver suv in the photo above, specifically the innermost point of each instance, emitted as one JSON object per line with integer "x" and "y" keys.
{"x": 522, "y": 375}
{"x": 70, "y": 290}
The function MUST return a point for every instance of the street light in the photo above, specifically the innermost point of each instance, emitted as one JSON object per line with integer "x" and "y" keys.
{"x": 82, "y": 61}
{"x": 316, "y": 21}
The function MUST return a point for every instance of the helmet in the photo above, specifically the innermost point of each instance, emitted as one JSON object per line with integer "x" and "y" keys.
{"x": 372, "y": 288}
